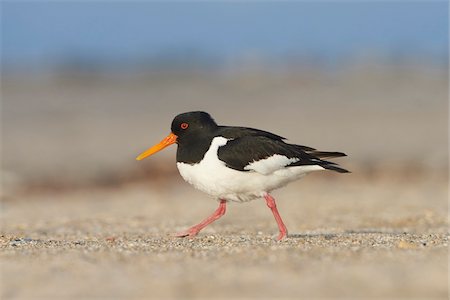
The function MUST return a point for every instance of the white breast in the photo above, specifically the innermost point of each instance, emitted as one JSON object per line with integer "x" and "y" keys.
{"x": 213, "y": 177}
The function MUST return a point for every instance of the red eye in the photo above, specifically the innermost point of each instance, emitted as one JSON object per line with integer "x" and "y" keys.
{"x": 184, "y": 125}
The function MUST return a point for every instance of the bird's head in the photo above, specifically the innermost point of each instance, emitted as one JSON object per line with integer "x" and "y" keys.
{"x": 185, "y": 126}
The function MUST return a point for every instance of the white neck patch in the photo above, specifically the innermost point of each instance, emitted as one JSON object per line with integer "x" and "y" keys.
{"x": 217, "y": 142}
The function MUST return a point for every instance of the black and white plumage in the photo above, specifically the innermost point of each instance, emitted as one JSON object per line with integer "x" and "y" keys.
{"x": 238, "y": 163}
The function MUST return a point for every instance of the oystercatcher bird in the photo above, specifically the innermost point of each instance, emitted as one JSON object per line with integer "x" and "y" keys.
{"x": 238, "y": 163}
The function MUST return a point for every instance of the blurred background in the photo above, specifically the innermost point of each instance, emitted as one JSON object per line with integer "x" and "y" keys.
{"x": 86, "y": 86}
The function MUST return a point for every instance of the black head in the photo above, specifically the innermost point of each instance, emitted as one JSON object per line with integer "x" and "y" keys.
{"x": 192, "y": 131}
{"x": 192, "y": 123}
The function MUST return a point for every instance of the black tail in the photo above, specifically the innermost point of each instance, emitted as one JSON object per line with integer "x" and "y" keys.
{"x": 328, "y": 164}
{"x": 325, "y": 154}
{"x": 315, "y": 157}
{"x": 333, "y": 167}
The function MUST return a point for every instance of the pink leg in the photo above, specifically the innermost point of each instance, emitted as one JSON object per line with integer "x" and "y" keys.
{"x": 273, "y": 206}
{"x": 194, "y": 230}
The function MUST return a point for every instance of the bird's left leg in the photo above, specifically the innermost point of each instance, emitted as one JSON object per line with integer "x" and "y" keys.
{"x": 273, "y": 206}
{"x": 194, "y": 230}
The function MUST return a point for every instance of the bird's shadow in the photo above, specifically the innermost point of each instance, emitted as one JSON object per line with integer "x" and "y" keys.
{"x": 331, "y": 235}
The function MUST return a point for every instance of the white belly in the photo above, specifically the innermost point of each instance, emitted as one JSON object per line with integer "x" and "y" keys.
{"x": 213, "y": 177}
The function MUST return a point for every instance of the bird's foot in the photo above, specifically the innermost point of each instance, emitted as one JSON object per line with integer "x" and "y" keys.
{"x": 189, "y": 233}
{"x": 282, "y": 235}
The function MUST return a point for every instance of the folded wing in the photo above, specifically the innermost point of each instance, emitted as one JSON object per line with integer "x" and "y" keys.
{"x": 264, "y": 154}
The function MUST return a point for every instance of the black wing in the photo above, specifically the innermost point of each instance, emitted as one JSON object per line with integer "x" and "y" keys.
{"x": 273, "y": 154}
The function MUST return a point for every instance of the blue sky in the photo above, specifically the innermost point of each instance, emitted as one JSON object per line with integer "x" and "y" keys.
{"x": 41, "y": 33}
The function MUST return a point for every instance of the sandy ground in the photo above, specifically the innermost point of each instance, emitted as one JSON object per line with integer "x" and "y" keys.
{"x": 349, "y": 237}
{"x": 81, "y": 219}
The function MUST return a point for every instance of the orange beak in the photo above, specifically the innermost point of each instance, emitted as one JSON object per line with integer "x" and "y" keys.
{"x": 169, "y": 140}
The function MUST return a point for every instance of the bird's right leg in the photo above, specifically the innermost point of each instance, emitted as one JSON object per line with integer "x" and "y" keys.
{"x": 273, "y": 207}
